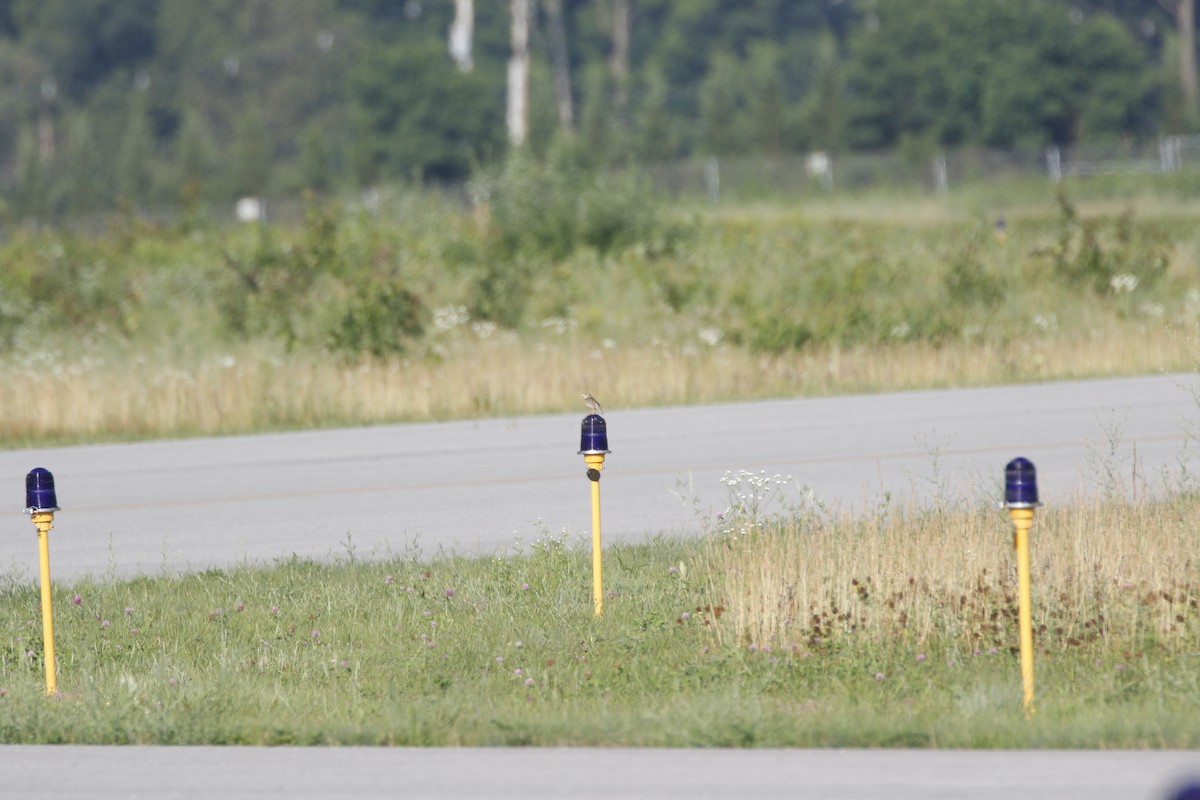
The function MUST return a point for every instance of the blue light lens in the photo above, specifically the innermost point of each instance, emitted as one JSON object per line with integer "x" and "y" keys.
{"x": 39, "y": 490}
{"x": 1020, "y": 483}
{"x": 594, "y": 438}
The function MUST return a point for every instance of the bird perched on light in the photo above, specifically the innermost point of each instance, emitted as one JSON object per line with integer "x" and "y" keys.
{"x": 592, "y": 403}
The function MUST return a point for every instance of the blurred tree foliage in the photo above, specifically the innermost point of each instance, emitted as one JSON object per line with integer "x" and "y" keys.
{"x": 159, "y": 102}
{"x": 1022, "y": 72}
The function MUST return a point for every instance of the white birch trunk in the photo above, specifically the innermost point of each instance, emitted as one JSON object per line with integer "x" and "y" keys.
{"x": 1184, "y": 12}
{"x": 518, "y": 75}
{"x": 619, "y": 60}
{"x": 462, "y": 32}
{"x": 562, "y": 64}
{"x": 1187, "y": 53}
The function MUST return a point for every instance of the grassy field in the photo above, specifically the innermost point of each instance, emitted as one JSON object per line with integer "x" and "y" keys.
{"x": 889, "y": 628}
{"x": 257, "y": 389}
{"x": 797, "y": 630}
{"x": 422, "y": 308}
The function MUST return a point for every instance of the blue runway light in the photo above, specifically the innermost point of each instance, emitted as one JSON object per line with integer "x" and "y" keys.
{"x": 39, "y": 491}
{"x": 1020, "y": 484}
{"x": 594, "y": 437}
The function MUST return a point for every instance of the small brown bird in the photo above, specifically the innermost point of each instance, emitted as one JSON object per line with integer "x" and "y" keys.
{"x": 592, "y": 403}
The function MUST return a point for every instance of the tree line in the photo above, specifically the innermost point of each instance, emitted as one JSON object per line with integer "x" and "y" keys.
{"x": 153, "y": 102}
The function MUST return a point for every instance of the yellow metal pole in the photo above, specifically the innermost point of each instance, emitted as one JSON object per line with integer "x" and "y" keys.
{"x": 1022, "y": 519}
{"x": 43, "y": 520}
{"x": 595, "y": 461}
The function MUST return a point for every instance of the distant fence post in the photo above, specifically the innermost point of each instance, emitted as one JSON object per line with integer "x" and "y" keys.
{"x": 809, "y": 174}
{"x": 820, "y": 166}
{"x": 1170, "y": 153}
{"x": 1054, "y": 163}
{"x": 712, "y": 179}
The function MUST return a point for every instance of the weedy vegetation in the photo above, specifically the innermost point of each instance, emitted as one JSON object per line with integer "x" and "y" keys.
{"x": 794, "y": 628}
{"x": 786, "y": 624}
{"x": 417, "y": 305}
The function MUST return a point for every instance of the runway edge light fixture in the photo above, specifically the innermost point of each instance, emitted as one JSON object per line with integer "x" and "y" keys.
{"x": 41, "y": 501}
{"x": 1021, "y": 499}
{"x": 593, "y": 446}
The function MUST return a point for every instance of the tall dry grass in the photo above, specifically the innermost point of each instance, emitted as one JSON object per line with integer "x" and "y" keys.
{"x": 59, "y": 398}
{"x": 1115, "y": 577}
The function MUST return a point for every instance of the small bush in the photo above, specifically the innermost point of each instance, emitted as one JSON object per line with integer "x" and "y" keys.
{"x": 550, "y": 210}
{"x": 382, "y": 319}
{"x": 1090, "y": 253}
{"x": 777, "y": 334}
{"x": 968, "y": 282}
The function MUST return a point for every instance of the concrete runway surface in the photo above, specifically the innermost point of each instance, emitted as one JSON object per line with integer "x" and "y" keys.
{"x": 232, "y": 773}
{"x": 485, "y": 486}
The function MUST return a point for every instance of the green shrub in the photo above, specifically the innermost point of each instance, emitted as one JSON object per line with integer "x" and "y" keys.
{"x": 1090, "y": 253}
{"x": 549, "y": 210}
{"x": 501, "y": 291}
{"x": 968, "y": 281}
{"x": 383, "y": 318}
{"x": 73, "y": 284}
{"x": 270, "y": 290}
{"x": 777, "y": 334}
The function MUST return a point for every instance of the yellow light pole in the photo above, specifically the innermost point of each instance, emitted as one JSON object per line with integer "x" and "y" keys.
{"x": 593, "y": 447}
{"x": 40, "y": 504}
{"x": 1021, "y": 499}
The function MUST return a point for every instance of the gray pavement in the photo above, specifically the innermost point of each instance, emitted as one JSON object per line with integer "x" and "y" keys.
{"x": 484, "y": 486}
{"x": 231, "y": 773}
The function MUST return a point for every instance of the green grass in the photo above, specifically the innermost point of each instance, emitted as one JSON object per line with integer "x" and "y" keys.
{"x": 430, "y": 310}
{"x": 146, "y": 330}
{"x": 506, "y": 651}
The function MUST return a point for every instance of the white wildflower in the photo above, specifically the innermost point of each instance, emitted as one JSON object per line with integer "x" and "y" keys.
{"x": 559, "y": 325}
{"x": 1046, "y": 322}
{"x": 449, "y": 317}
{"x": 1123, "y": 283}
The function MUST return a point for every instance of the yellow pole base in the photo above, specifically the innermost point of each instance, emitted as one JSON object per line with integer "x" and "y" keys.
{"x": 1022, "y": 519}
{"x": 44, "y": 521}
{"x": 595, "y": 461}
